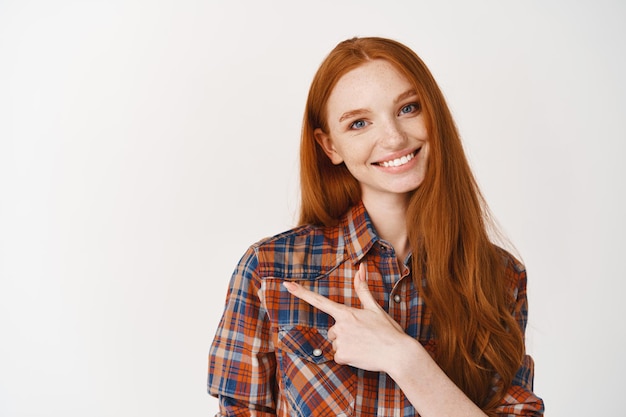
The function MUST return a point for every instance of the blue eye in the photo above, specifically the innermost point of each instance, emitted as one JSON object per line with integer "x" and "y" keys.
{"x": 359, "y": 124}
{"x": 410, "y": 108}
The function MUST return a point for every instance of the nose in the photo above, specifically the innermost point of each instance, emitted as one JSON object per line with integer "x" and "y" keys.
{"x": 392, "y": 135}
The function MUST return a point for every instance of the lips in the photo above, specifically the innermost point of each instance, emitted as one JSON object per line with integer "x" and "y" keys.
{"x": 398, "y": 161}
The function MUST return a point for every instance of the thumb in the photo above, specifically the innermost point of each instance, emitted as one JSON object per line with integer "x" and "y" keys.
{"x": 362, "y": 289}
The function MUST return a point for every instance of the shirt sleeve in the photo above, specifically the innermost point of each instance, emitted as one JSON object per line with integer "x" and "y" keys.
{"x": 242, "y": 363}
{"x": 520, "y": 399}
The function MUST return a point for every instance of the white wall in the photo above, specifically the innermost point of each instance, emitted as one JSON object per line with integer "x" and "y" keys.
{"x": 145, "y": 144}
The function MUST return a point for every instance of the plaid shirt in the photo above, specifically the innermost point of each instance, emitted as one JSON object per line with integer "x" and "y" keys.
{"x": 271, "y": 355}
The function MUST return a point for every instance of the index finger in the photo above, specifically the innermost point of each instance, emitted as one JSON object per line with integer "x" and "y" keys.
{"x": 315, "y": 299}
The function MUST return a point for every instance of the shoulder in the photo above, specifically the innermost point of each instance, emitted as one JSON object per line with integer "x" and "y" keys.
{"x": 302, "y": 251}
{"x": 512, "y": 264}
{"x": 291, "y": 239}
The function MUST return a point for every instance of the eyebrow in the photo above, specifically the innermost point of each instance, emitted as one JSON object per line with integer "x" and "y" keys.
{"x": 350, "y": 114}
{"x": 357, "y": 112}
{"x": 405, "y": 95}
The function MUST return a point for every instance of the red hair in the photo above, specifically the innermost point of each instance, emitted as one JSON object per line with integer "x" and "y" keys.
{"x": 459, "y": 271}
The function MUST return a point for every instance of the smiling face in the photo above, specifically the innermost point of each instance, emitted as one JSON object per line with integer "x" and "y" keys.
{"x": 377, "y": 129}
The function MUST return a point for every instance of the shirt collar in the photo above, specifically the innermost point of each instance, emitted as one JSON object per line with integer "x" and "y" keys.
{"x": 358, "y": 232}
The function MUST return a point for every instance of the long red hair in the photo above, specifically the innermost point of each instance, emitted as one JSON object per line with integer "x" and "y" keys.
{"x": 458, "y": 269}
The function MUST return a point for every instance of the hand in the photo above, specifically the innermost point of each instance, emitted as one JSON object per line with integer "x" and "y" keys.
{"x": 366, "y": 338}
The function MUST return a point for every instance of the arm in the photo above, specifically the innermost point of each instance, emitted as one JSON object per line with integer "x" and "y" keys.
{"x": 366, "y": 338}
{"x": 241, "y": 358}
{"x": 520, "y": 399}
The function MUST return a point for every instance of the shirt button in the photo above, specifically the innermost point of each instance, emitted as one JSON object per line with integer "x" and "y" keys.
{"x": 397, "y": 298}
{"x": 317, "y": 352}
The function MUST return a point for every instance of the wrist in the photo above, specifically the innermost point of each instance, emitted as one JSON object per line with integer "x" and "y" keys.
{"x": 408, "y": 357}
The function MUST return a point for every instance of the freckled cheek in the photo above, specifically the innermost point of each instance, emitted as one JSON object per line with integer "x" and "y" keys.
{"x": 419, "y": 129}
{"x": 356, "y": 156}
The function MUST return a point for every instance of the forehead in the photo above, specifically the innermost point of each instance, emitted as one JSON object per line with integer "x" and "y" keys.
{"x": 372, "y": 81}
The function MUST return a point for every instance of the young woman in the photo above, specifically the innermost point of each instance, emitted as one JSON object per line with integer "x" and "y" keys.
{"x": 389, "y": 299}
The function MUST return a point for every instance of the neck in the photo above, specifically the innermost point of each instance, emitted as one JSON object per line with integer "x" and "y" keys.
{"x": 388, "y": 216}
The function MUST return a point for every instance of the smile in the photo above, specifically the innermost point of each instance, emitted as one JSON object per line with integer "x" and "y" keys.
{"x": 398, "y": 161}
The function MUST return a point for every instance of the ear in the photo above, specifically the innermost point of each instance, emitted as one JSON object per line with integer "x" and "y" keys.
{"x": 327, "y": 145}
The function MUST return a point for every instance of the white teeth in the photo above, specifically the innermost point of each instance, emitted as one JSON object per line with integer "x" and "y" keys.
{"x": 398, "y": 161}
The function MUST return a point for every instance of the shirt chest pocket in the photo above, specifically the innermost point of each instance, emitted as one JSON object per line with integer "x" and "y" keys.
{"x": 314, "y": 384}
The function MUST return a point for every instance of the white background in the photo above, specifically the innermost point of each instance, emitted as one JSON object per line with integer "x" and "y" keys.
{"x": 145, "y": 144}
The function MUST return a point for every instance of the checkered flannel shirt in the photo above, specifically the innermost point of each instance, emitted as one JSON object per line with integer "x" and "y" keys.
{"x": 271, "y": 355}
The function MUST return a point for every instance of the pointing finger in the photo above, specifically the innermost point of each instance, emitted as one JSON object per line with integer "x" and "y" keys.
{"x": 362, "y": 289}
{"x": 313, "y": 298}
